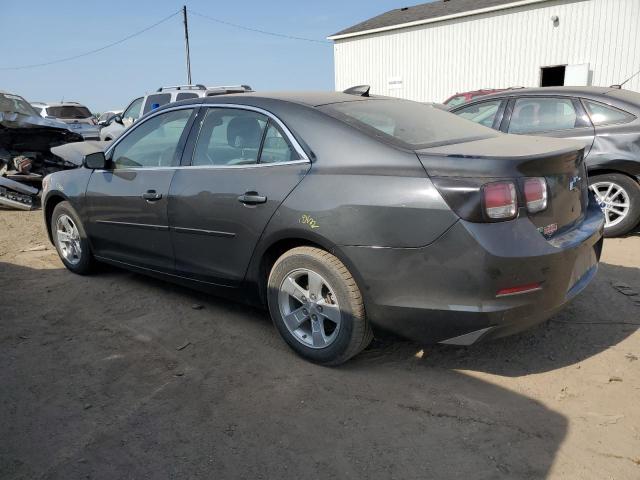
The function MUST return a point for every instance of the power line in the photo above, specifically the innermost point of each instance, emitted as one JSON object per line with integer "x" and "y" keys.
{"x": 264, "y": 32}
{"x": 66, "y": 59}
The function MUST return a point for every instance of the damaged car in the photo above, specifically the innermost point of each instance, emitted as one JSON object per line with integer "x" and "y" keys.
{"x": 26, "y": 140}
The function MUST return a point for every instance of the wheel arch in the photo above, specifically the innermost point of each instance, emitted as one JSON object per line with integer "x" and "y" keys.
{"x": 53, "y": 199}
{"x": 271, "y": 249}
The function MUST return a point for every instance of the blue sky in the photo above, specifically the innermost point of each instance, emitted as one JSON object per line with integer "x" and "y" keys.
{"x": 41, "y": 31}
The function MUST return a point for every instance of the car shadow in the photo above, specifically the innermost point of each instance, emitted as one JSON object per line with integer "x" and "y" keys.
{"x": 117, "y": 375}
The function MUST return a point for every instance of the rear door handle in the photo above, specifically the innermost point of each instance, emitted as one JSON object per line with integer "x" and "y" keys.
{"x": 252, "y": 198}
{"x": 151, "y": 196}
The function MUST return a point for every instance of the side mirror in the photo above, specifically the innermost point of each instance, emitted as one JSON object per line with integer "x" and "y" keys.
{"x": 117, "y": 119}
{"x": 95, "y": 161}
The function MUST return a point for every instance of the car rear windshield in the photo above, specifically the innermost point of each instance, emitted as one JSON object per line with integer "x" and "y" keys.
{"x": 68, "y": 111}
{"x": 407, "y": 124}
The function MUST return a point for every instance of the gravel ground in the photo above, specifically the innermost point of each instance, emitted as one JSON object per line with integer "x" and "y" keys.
{"x": 119, "y": 376}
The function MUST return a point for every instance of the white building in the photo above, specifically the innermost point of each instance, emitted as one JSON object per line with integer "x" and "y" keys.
{"x": 431, "y": 51}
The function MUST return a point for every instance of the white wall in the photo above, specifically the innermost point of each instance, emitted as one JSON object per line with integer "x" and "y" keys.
{"x": 493, "y": 50}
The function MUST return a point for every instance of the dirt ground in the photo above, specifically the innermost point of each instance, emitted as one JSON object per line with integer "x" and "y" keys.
{"x": 118, "y": 376}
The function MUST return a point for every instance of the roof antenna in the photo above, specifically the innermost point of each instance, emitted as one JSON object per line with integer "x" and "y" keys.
{"x": 622, "y": 84}
{"x": 361, "y": 90}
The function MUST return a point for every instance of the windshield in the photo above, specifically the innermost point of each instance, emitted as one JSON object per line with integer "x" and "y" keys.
{"x": 68, "y": 111}
{"x": 407, "y": 124}
{"x": 455, "y": 101}
{"x": 15, "y": 104}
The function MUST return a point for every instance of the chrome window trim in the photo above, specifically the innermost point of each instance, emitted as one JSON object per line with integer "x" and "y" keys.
{"x": 208, "y": 167}
{"x": 292, "y": 140}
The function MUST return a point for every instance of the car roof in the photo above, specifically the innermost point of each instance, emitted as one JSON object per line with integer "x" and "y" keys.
{"x": 569, "y": 91}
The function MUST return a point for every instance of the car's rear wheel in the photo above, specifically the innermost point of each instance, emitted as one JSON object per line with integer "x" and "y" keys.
{"x": 70, "y": 239}
{"x": 619, "y": 198}
{"x": 317, "y": 307}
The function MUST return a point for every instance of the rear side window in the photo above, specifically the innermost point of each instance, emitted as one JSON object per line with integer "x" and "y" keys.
{"x": 407, "y": 124}
{"x": 483, "y": 113}
{"x": 542, "y": 114}
{"x": 229, "y": 137}
{"x": 455, "y": 101}
{"x": 185, "y": 95}
{"x": 606, "y": 115}
{"x": 68, "y": 111}
{"x": 275, "y": 148}
{"x": 155, "y": 101}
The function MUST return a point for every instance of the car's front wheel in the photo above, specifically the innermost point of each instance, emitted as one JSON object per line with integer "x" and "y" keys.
{"x": 70, "y": 239}
{"x": 317, "y": 307}
{"x": 619, "y": 199}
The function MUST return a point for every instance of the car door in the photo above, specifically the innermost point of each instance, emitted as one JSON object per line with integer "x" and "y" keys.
{"x": 561, "y": 117}
{"x": 132, "y": 112}
{"x": 239, "y": 167}
{"x": 127, "y": 203}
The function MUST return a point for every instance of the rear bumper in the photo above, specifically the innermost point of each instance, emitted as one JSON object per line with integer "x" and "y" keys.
{"x": 446, "y": 292}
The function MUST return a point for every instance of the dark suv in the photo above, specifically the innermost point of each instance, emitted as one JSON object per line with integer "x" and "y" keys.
{"x": 605, "y": 119}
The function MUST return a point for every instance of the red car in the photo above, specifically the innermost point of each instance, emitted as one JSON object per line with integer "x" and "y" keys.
{"x": 460, "y": 98}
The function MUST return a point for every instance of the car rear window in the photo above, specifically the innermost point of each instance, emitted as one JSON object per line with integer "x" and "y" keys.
{"x": 69, "y": 111}
{"x": 407, "y": 124}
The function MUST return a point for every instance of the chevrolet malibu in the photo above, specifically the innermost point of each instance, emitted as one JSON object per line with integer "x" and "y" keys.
{"x": 339, "y": 212}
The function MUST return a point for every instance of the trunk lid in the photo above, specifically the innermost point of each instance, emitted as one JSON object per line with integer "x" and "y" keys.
{"x": 560, "y": 162}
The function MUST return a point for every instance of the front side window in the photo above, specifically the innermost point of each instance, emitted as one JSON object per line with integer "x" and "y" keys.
{"x": 133, "y": 110}
{"x": 483, "y": 113}
{"x": 606, "y": 115}
{"x": 542, "y": 114}
{"x": 229, "y": 137}
{"x": 153, "y": 143}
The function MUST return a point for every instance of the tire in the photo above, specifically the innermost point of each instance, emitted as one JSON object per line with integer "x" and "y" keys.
{"x": 338, "y": 310}
{"x": 78, "y": 260}
{"x": 625, "y": 190}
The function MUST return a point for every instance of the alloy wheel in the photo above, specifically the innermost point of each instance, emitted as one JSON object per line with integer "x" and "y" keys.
{"x": 309, "y": 308}
{"x": 68, "y": 239}
{"x": 613, "y": 200}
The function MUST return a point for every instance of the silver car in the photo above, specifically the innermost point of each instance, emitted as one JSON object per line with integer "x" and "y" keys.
{"x": 78, "y": 117}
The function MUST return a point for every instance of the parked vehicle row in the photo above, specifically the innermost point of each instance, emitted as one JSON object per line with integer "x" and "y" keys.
{"x": 140, "y": 106}
{"x": 337, "y": 212}
{"x": 605, "y": 120}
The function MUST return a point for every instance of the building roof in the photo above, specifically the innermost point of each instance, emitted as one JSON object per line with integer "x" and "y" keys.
{"x": 427, "y": 13}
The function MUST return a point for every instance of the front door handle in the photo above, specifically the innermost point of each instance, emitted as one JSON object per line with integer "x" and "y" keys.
{"x": 151, "y": 196}
{"x": 252, "y": 198}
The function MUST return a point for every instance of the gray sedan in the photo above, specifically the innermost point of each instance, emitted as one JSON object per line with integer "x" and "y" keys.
{"x": 606, "y": 120}
{"x": 339, "y": 213}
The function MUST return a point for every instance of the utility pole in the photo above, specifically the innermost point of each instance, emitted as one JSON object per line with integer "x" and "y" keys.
{"x": 186, "y": 43}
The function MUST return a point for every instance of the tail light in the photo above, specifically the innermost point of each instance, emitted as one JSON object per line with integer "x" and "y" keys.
{"x": 499, "y": 199}
{"x": 535, "y": 194}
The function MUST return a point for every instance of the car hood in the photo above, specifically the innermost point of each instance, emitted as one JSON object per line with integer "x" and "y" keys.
{"x": 75, "y": 152}
{"x": 29, "y": 133}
